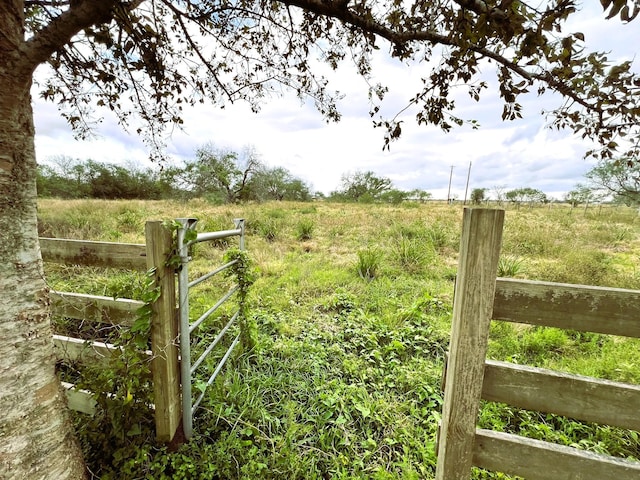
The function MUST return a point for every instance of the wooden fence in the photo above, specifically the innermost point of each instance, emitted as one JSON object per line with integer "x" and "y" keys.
{"x": 164, "y": 323}
{"x": 469, "y": 377}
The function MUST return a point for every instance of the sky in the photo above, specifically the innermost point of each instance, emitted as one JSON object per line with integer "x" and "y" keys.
{"x": 293, "y": 135}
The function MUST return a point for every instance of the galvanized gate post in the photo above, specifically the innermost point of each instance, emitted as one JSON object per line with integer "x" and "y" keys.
{"x": 185, "y": 343}
{"x": 239, "y": 223}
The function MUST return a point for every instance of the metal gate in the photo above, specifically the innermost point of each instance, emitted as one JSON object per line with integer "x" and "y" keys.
{"x": 186, "y": 328}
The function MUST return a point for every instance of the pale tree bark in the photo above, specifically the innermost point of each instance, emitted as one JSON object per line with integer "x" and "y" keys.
{"x": 36, "y": 436}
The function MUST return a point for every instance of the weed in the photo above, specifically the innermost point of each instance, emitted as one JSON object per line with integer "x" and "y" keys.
{"x": 130, "y": 220}
{"x": 439, "y": 236}
{"x": 410, "y": 205}
{"x": 245, "y": 276}
{"x": 268, "y": 229}
{"x": 412, "y": 254}
{"x": 410, "y": 231}
{"x": 279, "y": 213}
{"x": 521, "y": 239}
{"x": 304, "y": 229}
{"x": 622, "y": 234}
{"x": 308, "y": 210}
{"x": 337, "y": 231}
{"x": 426, "y": 306}
{"x": 618, "y": 234}
{"x": 543, "y": 342}
{"x": 509, "y": 266}
{"x": 368, "y": 263}
{"x": 342, "y": 303}
{"x": 581, "y": 266}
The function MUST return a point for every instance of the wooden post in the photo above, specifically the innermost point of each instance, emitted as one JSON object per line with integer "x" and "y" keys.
{"x": 164, "y": 335}
{"x": 473, "y": 303}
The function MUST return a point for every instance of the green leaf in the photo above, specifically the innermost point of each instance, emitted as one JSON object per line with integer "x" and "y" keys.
{"x": 190, "y": 235}
{"x": 340, "y": 420}
{"x": 363, "y": 409}
{"x": 134, "y": 430}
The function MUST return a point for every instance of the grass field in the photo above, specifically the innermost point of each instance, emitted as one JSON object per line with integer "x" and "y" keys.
{"x": 353, "y": 306}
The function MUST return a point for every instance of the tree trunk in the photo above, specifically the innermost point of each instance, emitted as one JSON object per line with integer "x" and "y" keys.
{"x": 36, "y": 437}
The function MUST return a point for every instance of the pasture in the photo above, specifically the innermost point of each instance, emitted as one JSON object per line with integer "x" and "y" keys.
{"x": 353, "y": 308}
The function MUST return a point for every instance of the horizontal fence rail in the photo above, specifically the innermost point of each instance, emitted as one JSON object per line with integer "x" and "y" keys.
{"x": 164, "y": 361}
{"x": 95, "y": 308}
{"x": 209, "y": 236}
{"x": 78, "y": 350}
{"x": 218, "y": 369}
{"x": 613, "y": 311}
{"x": 209, "y": 312}
{"x": 214, "y": 343}
{"x": 79, "y": 400}
{"x": 85, "y": 351}
{"x": 539, "y": 460}
{"x": 582, "y": 398}
{"x": 130, "y": 256}
{"x": 207, "y": 276}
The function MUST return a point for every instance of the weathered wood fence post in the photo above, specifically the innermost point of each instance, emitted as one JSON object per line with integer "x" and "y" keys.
{"x": 472, "y": 308}
{"x": 165, "y": 367}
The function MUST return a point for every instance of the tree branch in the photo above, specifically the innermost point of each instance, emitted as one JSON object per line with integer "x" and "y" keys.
{"x": 62, "y": 29}
{"x": 46, "y": 3}
{"x": 336, "y": 9}
{"x": 481, "y": 8}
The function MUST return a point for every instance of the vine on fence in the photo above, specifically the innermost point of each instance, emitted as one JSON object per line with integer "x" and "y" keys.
{"x": 123, "y": 392}
{"x": 190, "y": 235}
{"x": 243, "y": 272}
{"x": 245, "y": 275}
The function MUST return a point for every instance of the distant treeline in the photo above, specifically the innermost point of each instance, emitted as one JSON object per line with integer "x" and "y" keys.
{"x": 221, "y": 176}
{"x": 224, "y": 176}
{"x": 89, "y": 179}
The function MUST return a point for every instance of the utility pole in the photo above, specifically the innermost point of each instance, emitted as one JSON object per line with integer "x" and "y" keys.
{"x": 466, "y": 189}
{"x": 449, "y": 191}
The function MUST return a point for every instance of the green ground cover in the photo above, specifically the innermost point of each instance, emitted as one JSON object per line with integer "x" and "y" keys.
{"x": 353, "y": 306}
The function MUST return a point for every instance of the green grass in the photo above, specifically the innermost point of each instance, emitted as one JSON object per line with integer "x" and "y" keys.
{"x": 345, "y": 382}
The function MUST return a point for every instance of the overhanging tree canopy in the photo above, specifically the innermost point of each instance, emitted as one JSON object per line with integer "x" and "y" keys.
{"x": 152, "y": 58}
{"x": 148, "y": 59}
